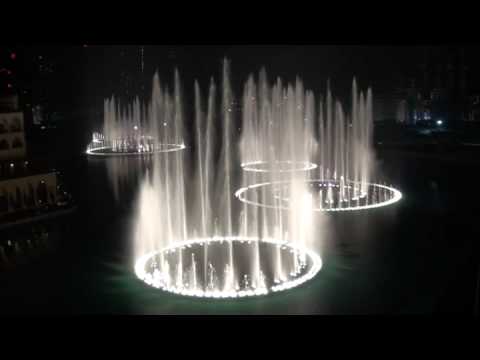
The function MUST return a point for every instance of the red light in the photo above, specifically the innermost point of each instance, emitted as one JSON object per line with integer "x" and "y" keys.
{"x": 13, "y": 56}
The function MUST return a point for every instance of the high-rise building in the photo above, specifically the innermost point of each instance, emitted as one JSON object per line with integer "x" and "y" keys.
{"x": 386, "y": 104}
{"x": 474, "y": 108}
{"x": 12, "y": 136}
{"x": 23, "y": 186}
{"x": 439, "y": 92}
{"x": 31, "y": 196}
{"x": 8, "y": 71}
{"x": 45, "y": 89}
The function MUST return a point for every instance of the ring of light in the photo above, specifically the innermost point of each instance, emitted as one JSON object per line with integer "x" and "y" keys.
{"x": 145, "y": 276}
{"x": 241, "y": 195}
{"x": 101, "y": 151}
{"x": 253, "y": 166}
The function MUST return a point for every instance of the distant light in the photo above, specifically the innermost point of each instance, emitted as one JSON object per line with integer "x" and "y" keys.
{"x": 135, "y": 127}
{"x": 9, "y": 86}
{"x": 439, "y": 122}
{"x": 12, "y": 165}
{"x": 13, "y": 56}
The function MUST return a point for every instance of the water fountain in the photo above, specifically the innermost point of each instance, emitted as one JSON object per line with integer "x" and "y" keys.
{"x": 335, "y": 156}
{"x": 138, "y": 128}
{"x": 132, "y": 133}
{"x": 288, "y": 168}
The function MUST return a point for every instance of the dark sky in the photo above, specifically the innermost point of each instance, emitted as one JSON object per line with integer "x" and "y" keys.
{"x": 379, "y": 67}
{"x": 86, "y": 75}
{"x": 313, "y": 63}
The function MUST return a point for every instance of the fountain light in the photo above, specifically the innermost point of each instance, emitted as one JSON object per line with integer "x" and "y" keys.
{"x": 280, "y": 166}
{"x": 108, "y": 150}
{"x": 356, "y": 203}
{"x": 305, "y": 271}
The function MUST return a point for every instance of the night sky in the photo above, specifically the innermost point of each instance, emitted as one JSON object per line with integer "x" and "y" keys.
{"x": 94, "y": 71}
{"x": 85, "y": 74}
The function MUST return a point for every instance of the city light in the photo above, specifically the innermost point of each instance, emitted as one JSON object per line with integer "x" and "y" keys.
{"x": 439, "y": 122}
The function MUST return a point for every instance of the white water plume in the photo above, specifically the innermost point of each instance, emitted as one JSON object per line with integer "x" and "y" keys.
{"x": 193, "y": 237}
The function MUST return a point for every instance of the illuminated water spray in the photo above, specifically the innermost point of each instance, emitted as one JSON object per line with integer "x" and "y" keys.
{"x": 293, "y": 161}
{"x": 285, "y": 138}
{"x": 139, "y": 127}
{"x": 134, "y": 131}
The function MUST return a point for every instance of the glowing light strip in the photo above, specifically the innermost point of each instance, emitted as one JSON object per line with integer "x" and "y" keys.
{"x": 99, "y": 151}
{"x": 250, "y": 166}
{"x": 397, "y": 195}
{"x": 328, "y": 185}
{"x": 145, "y": 276}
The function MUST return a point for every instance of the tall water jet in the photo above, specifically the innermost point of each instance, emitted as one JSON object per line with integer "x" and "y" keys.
{"x": 296, "y": 155}
{"x": 134, "y": 131}
{"x": 131, "y": 129}
{"x": 342, "y": 157}
{"x": 198, "y": 252}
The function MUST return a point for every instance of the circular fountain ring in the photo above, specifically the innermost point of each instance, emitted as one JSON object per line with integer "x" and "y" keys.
{"x": 282, "y": 166}
{"x": 360, "y": 201}
{"x": 161, "y": 148}
{"x": 297, "y": 270}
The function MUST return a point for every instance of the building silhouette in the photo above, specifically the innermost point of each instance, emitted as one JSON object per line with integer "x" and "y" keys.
{"x": 23, "y": 186}
{"x": 439, "y": 91}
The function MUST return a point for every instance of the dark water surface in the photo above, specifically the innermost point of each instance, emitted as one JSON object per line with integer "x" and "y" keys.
{"x": 420, "y": 256}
